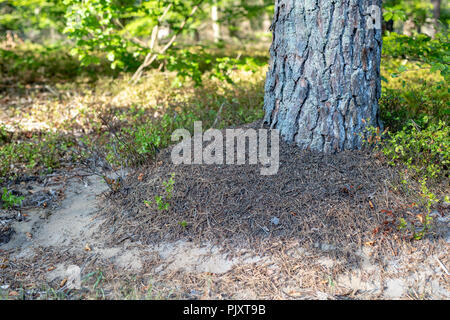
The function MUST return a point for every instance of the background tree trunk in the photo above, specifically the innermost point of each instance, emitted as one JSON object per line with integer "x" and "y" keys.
{"x": 436, "y": 9}
{"x": 324, "y": 75}
{"x": 436, "y": 14}
{"x": 215, "y": 21}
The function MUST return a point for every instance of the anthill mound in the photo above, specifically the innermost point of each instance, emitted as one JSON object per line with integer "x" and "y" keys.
{"x": 331, "y": 202}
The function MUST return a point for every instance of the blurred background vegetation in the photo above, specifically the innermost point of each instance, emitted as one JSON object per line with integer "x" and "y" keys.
{"x": 114, "y": 78}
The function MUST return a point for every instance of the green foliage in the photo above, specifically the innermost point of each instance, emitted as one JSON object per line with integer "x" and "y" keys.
{"x": 9, "y": 200}
{"x": 398, "y": 106}
{"x": 414, "y": 95}
{"x": 198, "y": 81}
{"x": 137, "y": 143}
{"x": 418, "y": 11}
{"x": 42, "y": 153}
{"x": 122, "y": 31}
{"x": 33, "y": 63}
{"x": 421, "y": 49}
{"x": 4, "y": 134}
{"x": 94, "y": 24}
{"x": 129, "y": 132}
{"x": 413, "y": 231}
{"x": 95, "y": 279}
{"x": 425, "y": 151}
{"x": 428, "y": 197}
{"x": 183, "y": 224}
{"x": 30, "y": 15}
{"x": 194, "y": 62}
{"x": 163, "y": 201}
{"x": 113, "y": 27}
{"x": 414, "y": 107}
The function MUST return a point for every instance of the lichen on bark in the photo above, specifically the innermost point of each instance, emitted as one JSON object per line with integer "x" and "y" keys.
{"x": 323, "y": 83}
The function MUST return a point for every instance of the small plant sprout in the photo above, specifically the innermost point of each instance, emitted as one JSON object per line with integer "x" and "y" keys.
{"x": 163, "y": 201}
{"x": 183, "y": 224}
{"x": 9, "y": 200}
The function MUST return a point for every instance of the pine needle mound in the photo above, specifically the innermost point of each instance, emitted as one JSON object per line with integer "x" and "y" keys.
{"x": 329, "y": 202}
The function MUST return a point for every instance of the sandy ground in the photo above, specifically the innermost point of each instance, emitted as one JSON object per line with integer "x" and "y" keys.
{"x": 61, "y": 246}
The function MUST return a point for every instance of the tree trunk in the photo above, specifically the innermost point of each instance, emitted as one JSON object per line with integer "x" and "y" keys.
{"x": 323, "y": 83}
{"x": 436, "y": 9}
{"x": 215, "y": 21}
{"x": 436, "y": 14}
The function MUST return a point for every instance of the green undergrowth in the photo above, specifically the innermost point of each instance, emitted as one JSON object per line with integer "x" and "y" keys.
{"x": 42, "y": 129}
{"x": 127, "y": 124}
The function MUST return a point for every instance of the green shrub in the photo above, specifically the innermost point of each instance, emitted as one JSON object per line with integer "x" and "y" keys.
{"x": 425, "y": 150}
{"x": 41, "y": 153}
{"x": 412, "y": 95}
{"x": 9, "y": 200}
{"x": 34, "y": 63}
{"x": 163, "y": 201}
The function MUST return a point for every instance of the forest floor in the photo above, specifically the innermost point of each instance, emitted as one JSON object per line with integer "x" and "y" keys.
{"x": 322, "y": 228}
{"x": 356, "y": 225}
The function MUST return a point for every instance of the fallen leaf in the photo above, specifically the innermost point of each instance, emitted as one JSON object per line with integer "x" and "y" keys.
{"x": 420, "y": 217}
{"x": 63, "y": 282}
{"x": 140, "y": 177}
{"x": 87, "y": 247}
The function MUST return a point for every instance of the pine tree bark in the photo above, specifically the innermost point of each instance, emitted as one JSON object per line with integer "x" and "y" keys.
{"x": 323, "y": 83}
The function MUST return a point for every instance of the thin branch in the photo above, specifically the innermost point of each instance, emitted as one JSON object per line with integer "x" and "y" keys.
{"x": 156, "y": 28}
{"x": 151, "y": 57}
{"x": 218, "y": 115}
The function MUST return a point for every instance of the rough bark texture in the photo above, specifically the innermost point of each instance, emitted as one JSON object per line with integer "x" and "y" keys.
{"x": 324, "y": 75}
